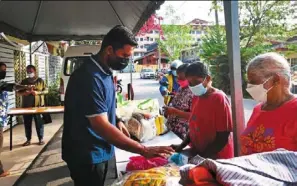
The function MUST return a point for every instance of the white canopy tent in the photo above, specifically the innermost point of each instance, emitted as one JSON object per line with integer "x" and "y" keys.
{"x": 71, "y": 20}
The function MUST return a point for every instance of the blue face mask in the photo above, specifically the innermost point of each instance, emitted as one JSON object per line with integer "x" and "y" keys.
{"x": 174, "y": 72}
{"x": 199, "y": 89}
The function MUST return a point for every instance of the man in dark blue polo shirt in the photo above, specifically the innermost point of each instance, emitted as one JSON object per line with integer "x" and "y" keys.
{"x": 90, "y": 121}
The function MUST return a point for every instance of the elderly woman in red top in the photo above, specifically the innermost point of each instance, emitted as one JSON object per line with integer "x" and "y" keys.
{"x": 210, "y": 123}
{"x": 273, "y": 123}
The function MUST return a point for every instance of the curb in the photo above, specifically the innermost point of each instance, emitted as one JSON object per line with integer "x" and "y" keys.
{"x": 37, "y": 156}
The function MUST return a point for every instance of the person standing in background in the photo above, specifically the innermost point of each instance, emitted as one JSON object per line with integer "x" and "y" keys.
{"x": 33, "y": 98}
{"x": 3, "y": 114}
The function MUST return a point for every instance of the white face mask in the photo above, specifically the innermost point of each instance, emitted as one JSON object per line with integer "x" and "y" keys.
{"x": 258, "y": 92}
{"x": 31, "y": 75}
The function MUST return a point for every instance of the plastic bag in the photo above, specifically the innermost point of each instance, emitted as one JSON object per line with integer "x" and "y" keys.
{"x": 149, "y": 130}
{"x": 141, "y": 163}
{"x": 178, "y": 159}
{"x": 146, "y": 129}
{"x": 160, "y": 122}
{"x": 160, "y": 176}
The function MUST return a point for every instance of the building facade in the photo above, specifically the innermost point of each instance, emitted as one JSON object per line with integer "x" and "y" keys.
{"x": 145, "y": 40}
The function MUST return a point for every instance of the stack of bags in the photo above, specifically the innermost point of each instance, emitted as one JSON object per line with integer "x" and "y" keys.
{"x": 152, "y": 172}
{"x": 144, "y": 127}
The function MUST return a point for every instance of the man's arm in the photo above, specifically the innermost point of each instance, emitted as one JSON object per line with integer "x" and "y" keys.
{"x": 216, "y": 146}
{"x": 113, "y": 135}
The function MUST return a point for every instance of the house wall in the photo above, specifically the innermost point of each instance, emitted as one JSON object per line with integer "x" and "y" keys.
{"x": 7, "y": 57}
{"x": 16, "y": 60}
{"x": 55, "y": 66}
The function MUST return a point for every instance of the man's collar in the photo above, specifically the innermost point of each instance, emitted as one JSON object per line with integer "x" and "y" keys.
{"x": 100, "y": 65}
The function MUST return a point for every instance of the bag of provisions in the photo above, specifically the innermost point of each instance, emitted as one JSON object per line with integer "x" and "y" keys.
{"x": 141, "y": 163}
{"x": 160, "y": 176}
{"x": 143, "y": 128}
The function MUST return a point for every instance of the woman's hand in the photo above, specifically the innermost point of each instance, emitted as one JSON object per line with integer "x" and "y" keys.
{"x": 177, "y": 148}
{"x": 170, "y": 111}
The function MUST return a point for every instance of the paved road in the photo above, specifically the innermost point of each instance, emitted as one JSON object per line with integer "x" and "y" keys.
{"x": 50, "y": 170}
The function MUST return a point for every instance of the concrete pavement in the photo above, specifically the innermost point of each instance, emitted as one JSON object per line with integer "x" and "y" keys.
{"x": 20, "y": 158}
{"x": 50, "y": 170}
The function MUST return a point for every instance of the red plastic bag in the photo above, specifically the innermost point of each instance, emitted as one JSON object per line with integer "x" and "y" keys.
{"x": 141, "y": 163}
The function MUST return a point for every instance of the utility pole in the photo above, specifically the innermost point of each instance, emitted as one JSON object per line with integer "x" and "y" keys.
{"x": 216, "y": 12}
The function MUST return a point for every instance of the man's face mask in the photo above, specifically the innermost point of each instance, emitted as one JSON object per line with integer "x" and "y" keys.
{"x": 31, "y": 75}
{"x": 2, "y": 74}
{"x": 117, "y": 63}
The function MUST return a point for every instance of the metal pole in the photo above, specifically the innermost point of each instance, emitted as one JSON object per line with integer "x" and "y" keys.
{"x": 30, "y": 48}
{"x": 159, "y": 47}
{"x": 233, "y": 47}
{"x": 131, "y": 70}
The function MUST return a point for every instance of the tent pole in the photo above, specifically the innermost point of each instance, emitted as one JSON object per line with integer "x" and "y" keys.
{"x": 30, "y": 46}
{"x": 131, "y": 69}
{"x": 233, "y": 48}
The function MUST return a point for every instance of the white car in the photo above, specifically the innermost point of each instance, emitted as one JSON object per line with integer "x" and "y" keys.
{"x": 147, "y": 73}
{"x": 73, "y": 59}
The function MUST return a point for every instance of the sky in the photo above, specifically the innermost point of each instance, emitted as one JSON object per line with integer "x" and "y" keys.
{"x": 190, "y": 10}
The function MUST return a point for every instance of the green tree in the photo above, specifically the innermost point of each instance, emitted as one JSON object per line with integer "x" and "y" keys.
{"x": 260, "y": 22}
{"x": 176, "y": 37}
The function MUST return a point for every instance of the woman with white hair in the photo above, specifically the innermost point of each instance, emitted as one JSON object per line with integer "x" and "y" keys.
{"x": 273, "y": 123}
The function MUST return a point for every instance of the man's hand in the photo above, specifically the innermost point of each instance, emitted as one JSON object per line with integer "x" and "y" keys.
{"x": 121, "y": 126}
{"x": 158, "y": 151}
{"x": 34, "y": 93}
{"x": 170, "y": 111}
{"x": 26, "y": 93}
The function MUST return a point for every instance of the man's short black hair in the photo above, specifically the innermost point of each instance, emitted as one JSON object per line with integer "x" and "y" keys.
{"x": 197, "y": 69}
{"x": 31, "y": 66}
{"x": 2, "y": 64}
{"x": 182, "y": 68}
{"x": 117, "y": 37}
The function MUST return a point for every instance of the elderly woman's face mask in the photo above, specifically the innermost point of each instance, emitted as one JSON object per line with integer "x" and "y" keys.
{"x": 258, "y": 92}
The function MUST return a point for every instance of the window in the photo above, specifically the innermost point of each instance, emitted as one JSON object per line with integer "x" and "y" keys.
{"x": 193, "y": 32}
{"x": 141, "y": 46}
{"x": 137, "y": 39}
{"x": 198, "y": 39}
{"x": 198, "y": 32}
{"x": 141, "y": 39}
{"x": 151, "y": 32}
{"x": 136, "y": 53}
{"x": 147, "y": 38}
{"x": 73, "y": 63}
{"x": 146, "y": 45}
{"x": 157, "y": 31}
{"x": 151, "y": 39}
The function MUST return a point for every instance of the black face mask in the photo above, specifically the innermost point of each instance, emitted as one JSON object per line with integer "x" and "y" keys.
{"x": 2, "y": 74}
{"x": 118, "y": 63}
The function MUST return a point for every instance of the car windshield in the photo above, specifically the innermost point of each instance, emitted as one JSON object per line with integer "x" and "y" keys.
{"x": 147, "y": 70}
{"x": 72, "y": 63}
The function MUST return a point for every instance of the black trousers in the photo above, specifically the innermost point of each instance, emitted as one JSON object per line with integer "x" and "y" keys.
{"x": 88, "y": 174}
{"x": 38, "y": 124}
